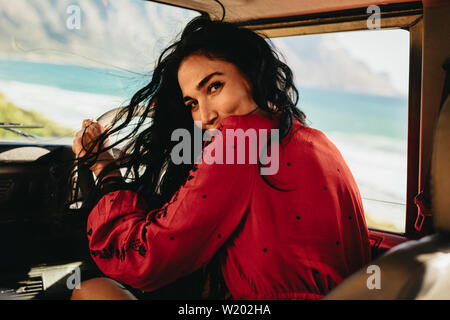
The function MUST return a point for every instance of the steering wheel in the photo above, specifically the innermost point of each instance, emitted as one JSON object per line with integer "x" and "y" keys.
{"x": 85, "y": 180}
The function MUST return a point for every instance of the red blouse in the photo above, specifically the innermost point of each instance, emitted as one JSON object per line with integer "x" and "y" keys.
{"x": 296, "y": 244}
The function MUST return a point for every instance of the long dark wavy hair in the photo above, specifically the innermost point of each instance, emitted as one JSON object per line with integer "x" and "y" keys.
{"x": 146, "y": 155}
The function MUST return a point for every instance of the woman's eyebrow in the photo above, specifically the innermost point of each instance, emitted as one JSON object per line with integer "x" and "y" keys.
{"x": 206, "y": 79}
{"x": 202, "y": 83}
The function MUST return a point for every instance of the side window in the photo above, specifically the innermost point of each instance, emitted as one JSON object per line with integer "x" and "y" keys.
{"x": 67, "y": 60}
{"x": 353, "y": 86}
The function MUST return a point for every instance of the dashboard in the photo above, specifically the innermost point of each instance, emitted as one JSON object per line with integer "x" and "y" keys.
{"x": 40, "y": 232}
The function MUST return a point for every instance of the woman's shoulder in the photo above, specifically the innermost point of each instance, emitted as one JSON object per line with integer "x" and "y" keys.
{"x": 259, "y": 121}
{"x": 259, "y": 124}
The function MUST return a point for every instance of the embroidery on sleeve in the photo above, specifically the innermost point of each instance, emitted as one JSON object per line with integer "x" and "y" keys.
{"x": 138, "y": 246}
{"x": 109, "y": 253}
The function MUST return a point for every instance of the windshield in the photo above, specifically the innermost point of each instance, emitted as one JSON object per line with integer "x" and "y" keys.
{"x": 64, "y": 61}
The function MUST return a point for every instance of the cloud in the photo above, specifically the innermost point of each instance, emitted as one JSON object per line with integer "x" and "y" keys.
{"x": 132, "y": 34}
{"x": 323, "y": 62}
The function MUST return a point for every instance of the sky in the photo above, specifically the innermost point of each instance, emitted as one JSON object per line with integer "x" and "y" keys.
{"x": 385, "y": 51}
{"x": 382, "y": 50}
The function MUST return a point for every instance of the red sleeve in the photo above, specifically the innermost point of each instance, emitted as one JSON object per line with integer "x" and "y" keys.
{"x": 148, "y": 250}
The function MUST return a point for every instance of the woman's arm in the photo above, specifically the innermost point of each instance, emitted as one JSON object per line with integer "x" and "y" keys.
{"x": 148, "y": 250}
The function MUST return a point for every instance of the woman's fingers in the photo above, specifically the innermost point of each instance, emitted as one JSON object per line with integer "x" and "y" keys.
{"x": 89, "y": 133}
{"x": 84, "y": 138}
{"x": 86, "y": 123}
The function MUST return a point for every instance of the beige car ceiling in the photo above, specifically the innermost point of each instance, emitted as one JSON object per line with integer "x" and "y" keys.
{"x": 246, "y": 10}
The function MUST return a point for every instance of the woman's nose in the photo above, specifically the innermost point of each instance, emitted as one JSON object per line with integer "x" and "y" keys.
{"x": 208, "y": 115}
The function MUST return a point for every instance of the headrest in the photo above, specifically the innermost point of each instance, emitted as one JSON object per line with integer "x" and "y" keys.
{"x": 440, "y": 171}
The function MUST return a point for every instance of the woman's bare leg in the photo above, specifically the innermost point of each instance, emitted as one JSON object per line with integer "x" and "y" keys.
{"x": 101, "y": 289}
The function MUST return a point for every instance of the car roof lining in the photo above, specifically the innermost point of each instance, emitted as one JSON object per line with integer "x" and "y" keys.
{"x": 250, "y": 10}
{"x": 286, "y": 17}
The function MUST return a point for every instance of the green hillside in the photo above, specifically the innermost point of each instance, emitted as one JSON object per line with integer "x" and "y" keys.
{"x": 11, "y": 113}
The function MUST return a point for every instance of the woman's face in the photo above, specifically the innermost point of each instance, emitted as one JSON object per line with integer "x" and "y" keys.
{"x": 213, "y": 90}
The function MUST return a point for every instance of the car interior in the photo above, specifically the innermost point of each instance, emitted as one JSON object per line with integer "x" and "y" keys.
{"x": 43, "y": 217}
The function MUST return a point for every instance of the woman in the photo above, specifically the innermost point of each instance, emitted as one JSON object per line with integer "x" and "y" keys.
{"x": 292, "y": 232}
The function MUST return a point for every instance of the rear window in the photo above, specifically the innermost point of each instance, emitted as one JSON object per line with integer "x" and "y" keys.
{"x": 353, "y": 86}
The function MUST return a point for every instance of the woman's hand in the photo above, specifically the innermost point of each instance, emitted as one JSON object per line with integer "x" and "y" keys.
{"x": 84, "y": 138}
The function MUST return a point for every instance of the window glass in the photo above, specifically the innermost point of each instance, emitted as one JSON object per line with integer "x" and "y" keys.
{"x": 67, "y": 60}
{"x": 353, "y": 86}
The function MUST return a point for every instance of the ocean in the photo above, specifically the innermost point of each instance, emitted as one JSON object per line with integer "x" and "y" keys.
{"x": 370, "y": 131}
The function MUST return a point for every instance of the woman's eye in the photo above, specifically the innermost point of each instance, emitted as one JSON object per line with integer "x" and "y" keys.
{"x": 213, "y": 87}
{"x": 191, "y": 105}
